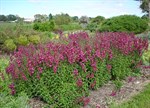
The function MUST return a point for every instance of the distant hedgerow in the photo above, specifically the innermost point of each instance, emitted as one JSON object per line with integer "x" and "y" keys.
{"x": 124, "y": 23}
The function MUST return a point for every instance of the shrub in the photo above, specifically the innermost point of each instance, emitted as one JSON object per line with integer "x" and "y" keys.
{"x": 36, "y": 26}
{"x": 125, "y": 23}
{"x": 92, "y": 27}
{"x": 4, "y": 78}
{"x": 71, "y": 26}
{"x": 98, "y": 20}
{"x": 62, "y": 74}
{"x": 146, "y": 57}
{"x": 16, "y": 102}
{"x": 45, "y": 26}
{"x": 35, "y": 39}
{"x": 62, "y": 18}
{"x": 22, "y": 40}
{"x": 10, "y": 45}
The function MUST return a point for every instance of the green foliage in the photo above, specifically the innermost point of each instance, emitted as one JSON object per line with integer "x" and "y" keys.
{"x": 124, "y": 23}
{"x": 44, "y": 26}
{"x": 92, "y": 27}
{"x": 8, "y": 101}
{"x": 62, "y": 74}
{"x": 35, "y": 39}
{"x": 3, "y": 37}
{"x": 121, "y": 66}
{"x": 118, "y": 84}
{"x": 62, "y": 18}
{"x": 144, "y": 5}
{"x": 98, "y": 19}
{"x": 3, "y": 18}
{"x": 146, "y": 57}
{"x": 40, "y": 18}
{"x": 36, "y": 26}
{"x": 75, "y": 18}
{"x": 50, "y": 17}
{"x": 22, "y": 40}
{"x": 71, "y": 26}
{"x": 59, "y": 90}
{"x": 10, "y": 45}
{"x": 4, "y": 78}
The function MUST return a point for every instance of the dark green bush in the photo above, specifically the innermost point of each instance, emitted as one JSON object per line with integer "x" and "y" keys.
{"x": 92, "y": 27}
{"x": 98, "y": 19}
{"x": 45, "y": 26}
{"x": 124, "y": 23}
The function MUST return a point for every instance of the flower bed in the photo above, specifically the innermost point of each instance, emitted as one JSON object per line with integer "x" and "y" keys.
{"x": 62, "y": 74}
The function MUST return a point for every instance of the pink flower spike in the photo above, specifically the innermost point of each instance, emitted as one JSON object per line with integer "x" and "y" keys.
{"x": 75, "y": 72}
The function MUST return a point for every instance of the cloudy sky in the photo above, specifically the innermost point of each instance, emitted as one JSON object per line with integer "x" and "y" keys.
{"x": 91, "y": 8}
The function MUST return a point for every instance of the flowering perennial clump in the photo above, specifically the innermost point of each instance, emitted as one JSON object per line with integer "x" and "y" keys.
{"x": 83, "y": 63}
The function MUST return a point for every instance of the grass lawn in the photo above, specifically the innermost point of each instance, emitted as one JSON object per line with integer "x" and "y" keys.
{"x": 141, "y": 100}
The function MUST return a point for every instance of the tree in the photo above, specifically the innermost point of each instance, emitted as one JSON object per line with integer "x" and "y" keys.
{"x": 11, "y": 17}
{"x": 40, "y": 18}
{"x": 75, "y": 18}
{"x": 145, "y": 6}
{"x": 84, "y": 19}
{"x": 62, "y": 18}
{"x": 98, "y": 19}
{"x": 3, "y": 18}
{"x": 50, "y": 17}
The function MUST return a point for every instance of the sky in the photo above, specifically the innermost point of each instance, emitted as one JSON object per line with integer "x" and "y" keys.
{"x": 90, "y": 8}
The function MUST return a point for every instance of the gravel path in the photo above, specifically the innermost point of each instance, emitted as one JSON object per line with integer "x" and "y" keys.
{"x": 102, "y": 97}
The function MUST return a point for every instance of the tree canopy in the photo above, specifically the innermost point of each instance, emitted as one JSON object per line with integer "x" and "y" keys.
{"x": 9, "y": 17}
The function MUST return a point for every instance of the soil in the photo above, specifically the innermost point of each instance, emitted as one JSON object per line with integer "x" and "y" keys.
{"x": 104, "y": 96}
{"x": 107, "y": 94}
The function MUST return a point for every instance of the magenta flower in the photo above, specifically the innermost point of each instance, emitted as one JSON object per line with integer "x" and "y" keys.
{"x": 75, "y": 72}
{"x": 40, "y": 70}
{"x": 109, "y": 67}
{"x": 79, "y": 82}
{"x": 86, "y": 101}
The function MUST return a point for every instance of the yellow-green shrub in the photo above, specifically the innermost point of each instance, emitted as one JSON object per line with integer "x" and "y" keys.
{"x": 146, "y": 57}
{"x": 35, "y": 39}
{"x": 10, "y": 45}
{"x": 23, "y": 40}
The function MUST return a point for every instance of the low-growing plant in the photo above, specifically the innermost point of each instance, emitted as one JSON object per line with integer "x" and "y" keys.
{"x": 22, "y": 40}
{"x": 10, "y": 45}
{"x": 4, "y": 78}
{"x": 62, "y": 74}
{"x": 70, "y": 26}
{"x": 118, "y": 84}
{"x": 8, "y": 101}
{"x": 35, "y": 39}
{"x": 146, "y": 57}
